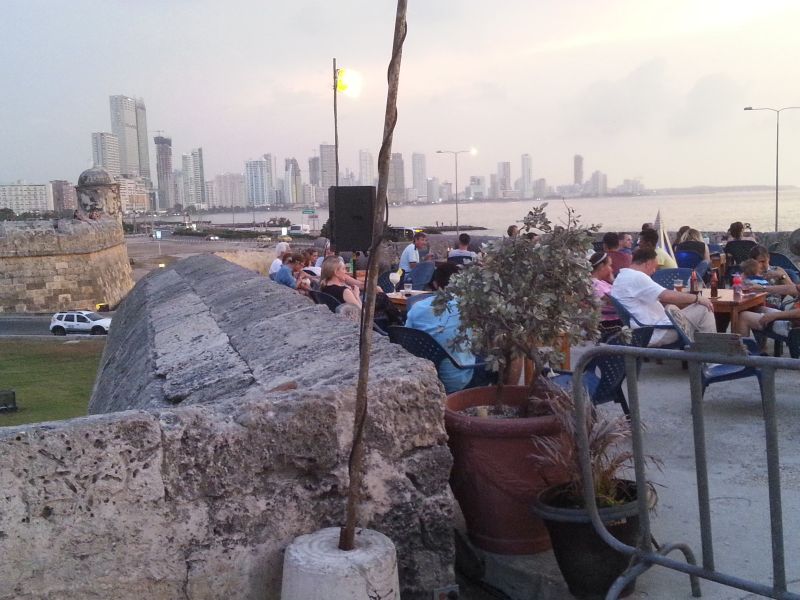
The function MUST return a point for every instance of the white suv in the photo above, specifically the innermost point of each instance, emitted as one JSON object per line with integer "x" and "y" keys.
{"x": 79, "y": 321}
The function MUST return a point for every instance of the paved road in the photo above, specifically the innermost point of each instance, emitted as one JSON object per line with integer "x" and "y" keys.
{"x": 25, "y": 325}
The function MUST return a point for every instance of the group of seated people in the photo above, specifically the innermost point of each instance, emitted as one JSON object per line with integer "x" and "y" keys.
{"x": 645, "y": 299}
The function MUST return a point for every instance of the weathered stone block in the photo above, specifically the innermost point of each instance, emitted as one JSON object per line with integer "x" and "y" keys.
{"x": 248, "y": 391}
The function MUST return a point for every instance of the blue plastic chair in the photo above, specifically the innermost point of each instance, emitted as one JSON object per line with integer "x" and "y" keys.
{"x": 460, "y": 260}
{"x": 423, "y": 345}
{"x": 666, "y": 277}
{"x": 629, "y": 320}
{"x": 607, "y": 387}
{"x": 713, "y": 373}
{"x": 421, "y": 275}
{"x": 687, "y": 259}
{"x": 776, "y": 259}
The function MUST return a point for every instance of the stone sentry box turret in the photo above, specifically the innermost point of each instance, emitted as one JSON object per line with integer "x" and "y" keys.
{"x": 64, "y": 264}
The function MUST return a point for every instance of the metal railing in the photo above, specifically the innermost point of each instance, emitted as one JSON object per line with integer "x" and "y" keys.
{"x": 645, "y": 556}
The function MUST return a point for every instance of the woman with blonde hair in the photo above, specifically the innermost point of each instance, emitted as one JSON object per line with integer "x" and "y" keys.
{"x": 333, "y": 282}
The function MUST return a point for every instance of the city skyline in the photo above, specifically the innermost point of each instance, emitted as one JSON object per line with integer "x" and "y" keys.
{"x": 652, "y": 90}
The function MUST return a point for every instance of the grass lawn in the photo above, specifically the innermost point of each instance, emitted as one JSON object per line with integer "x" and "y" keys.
{"x": 53, "y": 378}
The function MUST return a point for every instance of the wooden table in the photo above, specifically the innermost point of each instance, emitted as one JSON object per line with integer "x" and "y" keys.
{"x": 399, "y": 298}
{"x": 724, "y": 304}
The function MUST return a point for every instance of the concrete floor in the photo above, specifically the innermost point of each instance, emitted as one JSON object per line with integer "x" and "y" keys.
{"x": 738, "y": 485}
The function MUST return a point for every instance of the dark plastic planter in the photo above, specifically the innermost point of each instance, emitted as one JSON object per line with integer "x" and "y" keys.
{"x": 494, "y": 478}
{"x": 588, "y": 564}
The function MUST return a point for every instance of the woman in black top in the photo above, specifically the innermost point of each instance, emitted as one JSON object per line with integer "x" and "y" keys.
{"x": 332, "y": 281}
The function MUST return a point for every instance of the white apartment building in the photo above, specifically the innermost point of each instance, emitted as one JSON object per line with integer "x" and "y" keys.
{"x": 419, "y": 175}
{"x": 258, "y": 181}
{"x": 327, "y": 164}
{"x": 105, "y": 152}
{"x": 526, "y": 183}
{"x": 229, "y": 189}
{"x": 366, "y": 168}
{"x": 133, "y": 194}
{"x": 26, "y": 197}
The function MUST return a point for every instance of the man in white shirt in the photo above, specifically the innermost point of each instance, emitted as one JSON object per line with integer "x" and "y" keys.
{"x": 280, "y": 249}
{"x": 645, "y": 299}
{"x": 463, "y": 248}
{"x": 410, "y": 256}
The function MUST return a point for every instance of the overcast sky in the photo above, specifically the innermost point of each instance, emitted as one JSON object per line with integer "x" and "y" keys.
{"x": 641, "y": 88}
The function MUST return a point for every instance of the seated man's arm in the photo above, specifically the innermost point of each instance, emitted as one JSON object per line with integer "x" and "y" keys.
{"x": 683, "y": 299}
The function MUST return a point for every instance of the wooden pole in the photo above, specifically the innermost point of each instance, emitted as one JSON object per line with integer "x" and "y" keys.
{"x": 356, "y": 464}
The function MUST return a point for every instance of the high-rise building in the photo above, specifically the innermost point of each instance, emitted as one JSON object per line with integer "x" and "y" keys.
{"x": 577, "y": 169}
{"x": 396, "y": 186}
{"x": 366, "y": 168}
{"x": 258, "y": 181}
{"x": 229, "y": 189}
{"x": 164, "y": 172}
{"x": 141, "y": 136}
{"x": 419, "y": 175}
{"x": 434, "y": 193}
{"x": 526, "y": 181}
{"x": 477, "y": 188}
{"x": 178, "y": 193}
{"x": 105, "y": 152}
{"x": 313, "y": 171}
{"x": 194, "y": 182}
{"x": 540, "y": 188}
{"x": 211, "y": 193}
{"x": 25, "y": 197}
{"x": 133, "y": 194}
{"x": 64, "y": 196}
{"x": 503, "y": 177}
{"x": 327, "y": 163}
{"x": 129, "y": 124}
{"x": 292, "y": 183}
{"x": 599, "y": 184}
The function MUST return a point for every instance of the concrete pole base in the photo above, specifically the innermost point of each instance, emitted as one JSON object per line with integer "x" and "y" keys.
{"x": 315, "y": 569}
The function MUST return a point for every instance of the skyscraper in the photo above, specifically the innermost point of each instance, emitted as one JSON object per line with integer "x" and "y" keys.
{"x": 194, "y": 182}
{"x": 366, "y": 168}
{"x": 503, "y": 177}
{"x": 129, "y": 124}
{"x": 105, "y": 152}
{"x": 313, "y": 171}
{"x": 292, "y": 183}
{"x": 327, "y": 163}
{"x": 229, "y": 188}
{"x": 419, "y": 175}
{"x": 577, "y": 169}
{"x": 396, "y": 186}
{"x": 164, "y": 172}
{"x": 526, "y": 186}
{"x": 258, "y": 181}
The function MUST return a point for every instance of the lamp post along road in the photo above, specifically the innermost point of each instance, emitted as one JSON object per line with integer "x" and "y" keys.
{"x": 455, "y": 154}
{"x": 777, "y": 112}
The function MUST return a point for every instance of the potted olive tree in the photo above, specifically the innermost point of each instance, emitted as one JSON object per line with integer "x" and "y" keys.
{"x": 588, "y": 564}
{"x": 532, "y": 293}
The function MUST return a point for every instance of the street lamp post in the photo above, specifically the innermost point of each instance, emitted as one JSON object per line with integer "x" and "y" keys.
{"x": 777, "y": 112}
{"x": 455, "y": 154}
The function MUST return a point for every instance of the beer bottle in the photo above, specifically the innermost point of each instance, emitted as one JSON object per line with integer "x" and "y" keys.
{"x": 714, "y": 284}
{"x": 694, "y": 284}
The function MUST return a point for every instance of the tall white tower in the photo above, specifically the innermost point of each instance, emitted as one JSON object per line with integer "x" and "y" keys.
{"x": 419, "y": 174}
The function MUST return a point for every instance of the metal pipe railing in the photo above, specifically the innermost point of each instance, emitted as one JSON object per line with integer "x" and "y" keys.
{"x": 644, "y": 556}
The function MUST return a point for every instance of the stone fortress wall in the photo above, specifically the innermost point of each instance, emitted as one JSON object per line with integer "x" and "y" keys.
{"x": 47, "y": 266}
{"x": 222, "y": 418}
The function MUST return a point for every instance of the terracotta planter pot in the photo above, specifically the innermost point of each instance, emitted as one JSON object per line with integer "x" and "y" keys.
{"x": 493, "y": 477}
{"x": 588, "y": 564}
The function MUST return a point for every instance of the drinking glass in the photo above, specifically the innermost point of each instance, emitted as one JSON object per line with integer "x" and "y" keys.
{"x": 394, "y": 277}
{"x": 407, "y": 288}
{"x": 677, "y": 285}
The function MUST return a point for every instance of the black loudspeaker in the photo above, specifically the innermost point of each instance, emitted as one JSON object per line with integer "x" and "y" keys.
{"x": 351, "y": 212}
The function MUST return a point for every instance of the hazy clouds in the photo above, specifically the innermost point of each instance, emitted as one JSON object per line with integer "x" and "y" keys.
{"x": 644, "y": 88}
